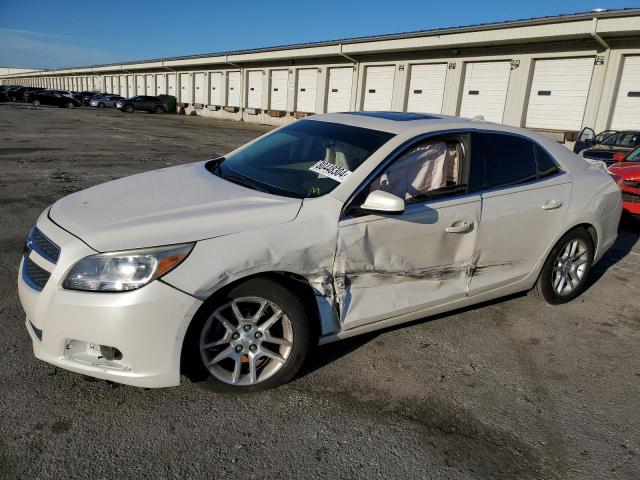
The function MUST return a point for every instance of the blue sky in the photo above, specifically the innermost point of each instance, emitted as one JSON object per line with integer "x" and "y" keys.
{"x": 74, "y": 33}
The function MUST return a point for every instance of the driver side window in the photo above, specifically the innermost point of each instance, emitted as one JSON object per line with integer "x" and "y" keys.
{"x": 428, "y": 169}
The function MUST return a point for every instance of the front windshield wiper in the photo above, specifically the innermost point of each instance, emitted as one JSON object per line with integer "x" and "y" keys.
{"x": 244, "y": 181}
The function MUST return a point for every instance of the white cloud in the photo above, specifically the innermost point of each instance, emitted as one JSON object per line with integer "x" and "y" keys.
{"x": 24, "y": 48}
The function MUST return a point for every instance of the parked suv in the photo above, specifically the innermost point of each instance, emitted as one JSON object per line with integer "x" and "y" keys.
{"x": 142, "y": 102}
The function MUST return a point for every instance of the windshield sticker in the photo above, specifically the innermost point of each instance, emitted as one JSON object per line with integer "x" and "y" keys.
{"x": 331, "y": 170}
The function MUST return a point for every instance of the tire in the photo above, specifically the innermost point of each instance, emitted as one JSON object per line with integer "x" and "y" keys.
{"x": 36, "y": 103}
{"x": 101, "y": 105}
{"x": 248, "y": 360}
{"x": 550, "y": 285}
{"x": 158, "y": 109}
{"x": 128, "y": 108}
{"x": 69, "y": 105}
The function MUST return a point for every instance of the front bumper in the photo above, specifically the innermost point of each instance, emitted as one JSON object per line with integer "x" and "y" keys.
{"x": 147, "y": 325}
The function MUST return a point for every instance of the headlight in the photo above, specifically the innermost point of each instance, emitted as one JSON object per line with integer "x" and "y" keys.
{"x": 124, "y": 271}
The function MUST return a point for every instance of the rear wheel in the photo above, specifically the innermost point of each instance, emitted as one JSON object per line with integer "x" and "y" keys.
{"x": 101, "y": 105}
{"x": 565, "y": 271}
{"x": 36, "y": 103}
{"x": 128, "y": 109}
{"x": 158, "y": 109}
{"x": 254, "y": 338}
{"x": 69, "y": 105}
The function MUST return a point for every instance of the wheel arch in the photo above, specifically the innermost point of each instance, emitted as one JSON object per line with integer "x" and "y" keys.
{"x": 298, "y": 284}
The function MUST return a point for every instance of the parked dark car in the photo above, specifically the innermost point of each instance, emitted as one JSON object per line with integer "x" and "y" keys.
{"x": 588, "y": 138}
{"x": 22, "y": 94}
{"x": 4, "y": 92}
{"x": 142, "y": 102}
{"x": 616, "y": 145}
{"x": 55, "y": 98}
{"x": 85, "y": 96}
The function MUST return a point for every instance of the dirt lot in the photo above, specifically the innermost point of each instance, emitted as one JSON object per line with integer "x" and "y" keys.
{"x": 512, "y": 389}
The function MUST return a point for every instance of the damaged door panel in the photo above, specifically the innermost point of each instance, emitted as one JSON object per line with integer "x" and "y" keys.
{"x": 386, "y": 266}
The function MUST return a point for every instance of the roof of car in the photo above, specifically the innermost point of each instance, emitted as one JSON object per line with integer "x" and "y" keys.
{"x": 396, "y": 122}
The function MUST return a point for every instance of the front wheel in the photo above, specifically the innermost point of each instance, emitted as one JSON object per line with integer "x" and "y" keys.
{"x": 254, "y": 338}
{"x": 101, "y": 105}
{"x": 128, "y": 109}
{"x": 69, "y": 105}
{"x": 565, "y": 271}
{"x": 158, "y": 109}
{"x": 36, "y": 103}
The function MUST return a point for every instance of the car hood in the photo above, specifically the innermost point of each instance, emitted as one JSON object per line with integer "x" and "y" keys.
{"x": 628, "y": 172}
{"x": 162, "y": 207}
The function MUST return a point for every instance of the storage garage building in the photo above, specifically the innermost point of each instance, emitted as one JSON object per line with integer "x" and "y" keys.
{"x": 554, "y": 74}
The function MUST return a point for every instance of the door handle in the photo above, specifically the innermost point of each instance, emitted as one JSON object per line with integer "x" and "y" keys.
{"x": 552, "y": 205}
{"x": 462, "y": 228}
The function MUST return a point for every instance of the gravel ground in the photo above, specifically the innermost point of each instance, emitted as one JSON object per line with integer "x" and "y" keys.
{"x": 510, "y": 389}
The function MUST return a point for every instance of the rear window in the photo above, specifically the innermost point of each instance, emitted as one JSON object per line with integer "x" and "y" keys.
{"x": 507, "y": 160}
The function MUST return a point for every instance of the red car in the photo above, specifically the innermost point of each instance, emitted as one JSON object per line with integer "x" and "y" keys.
{"x": 627, "y": 168}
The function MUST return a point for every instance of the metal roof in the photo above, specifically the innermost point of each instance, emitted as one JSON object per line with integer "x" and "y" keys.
{"x": 569, "y": 17}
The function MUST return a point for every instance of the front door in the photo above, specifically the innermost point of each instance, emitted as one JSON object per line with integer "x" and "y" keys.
{"x": 387, "y": 265}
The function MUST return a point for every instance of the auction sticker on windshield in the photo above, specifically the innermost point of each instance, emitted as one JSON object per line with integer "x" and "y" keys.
{"x": 331, "y": 170}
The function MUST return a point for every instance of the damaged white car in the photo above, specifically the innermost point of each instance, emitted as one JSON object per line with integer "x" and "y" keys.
{"x": 229, "y": 270}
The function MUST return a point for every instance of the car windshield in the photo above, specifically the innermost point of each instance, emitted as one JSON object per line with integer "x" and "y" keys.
{"x": 633, "y": 156}
{"x": 305, "y": 159}
{"x": 629, "y": 139}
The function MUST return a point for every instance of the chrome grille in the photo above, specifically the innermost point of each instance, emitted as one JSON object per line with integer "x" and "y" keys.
{"x": 35, "y": 276}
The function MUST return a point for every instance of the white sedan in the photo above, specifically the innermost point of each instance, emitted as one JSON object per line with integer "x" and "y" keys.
{"x": 229, "y": 270}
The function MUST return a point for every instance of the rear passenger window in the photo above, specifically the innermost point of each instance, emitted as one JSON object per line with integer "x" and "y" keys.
{"x": 546, "y": 165}
{"x": 507, "y": 160}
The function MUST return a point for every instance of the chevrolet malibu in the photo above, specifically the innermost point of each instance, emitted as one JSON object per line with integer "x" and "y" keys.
{"x": 230, "y": 270}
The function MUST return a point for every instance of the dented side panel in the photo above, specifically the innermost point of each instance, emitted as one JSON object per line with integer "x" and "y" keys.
{"x": 392, "y": 265}
{"x": 305, "y": 247}
{"x": 516, "y": 231}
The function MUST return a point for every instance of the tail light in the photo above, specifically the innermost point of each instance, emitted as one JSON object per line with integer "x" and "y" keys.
{"x": 618, "y": 157}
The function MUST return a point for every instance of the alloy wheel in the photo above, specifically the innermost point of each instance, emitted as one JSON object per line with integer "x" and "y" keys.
{"x": 246, "y": 341}
{"x": 569, "y": 267}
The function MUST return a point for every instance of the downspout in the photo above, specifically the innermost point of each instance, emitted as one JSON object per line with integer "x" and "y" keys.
{"x": 596, "y": 36}
{"x": 347, "y": 56}
{"x": 600, "y": 40}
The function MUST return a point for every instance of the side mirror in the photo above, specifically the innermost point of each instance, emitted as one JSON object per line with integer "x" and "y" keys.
{"x": 380, "y": 201}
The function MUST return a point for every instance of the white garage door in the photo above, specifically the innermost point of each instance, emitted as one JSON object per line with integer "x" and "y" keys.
{"x": 199, "y": 93}
{"x": 626, "y": 113}
{"x": 140, "y": 86}
{"x": 485, "y": 90}
{"x": 279, "y": 81}
{"x": 215, "y": 84}
{"x": 185, "y": 88}
{"x": 171, "y": 84}
{"x": 130, "y": 89}
{"x": 378, "y": 88}
{"x": 161, "y": 84}
{"x": 150, "y": 89}
{"x": 233, "y": 89}
{"x": 559, "y": 91}
{"x": 307, "y": 87}
{"x": 426, "y": 88}
{"x": 339, "y": 91}
{"x": 254, "y": 89}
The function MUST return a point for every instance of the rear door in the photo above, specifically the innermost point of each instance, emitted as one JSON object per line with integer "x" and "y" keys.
{"x": 525, "y": 197}
{"x": 387, "y": 265}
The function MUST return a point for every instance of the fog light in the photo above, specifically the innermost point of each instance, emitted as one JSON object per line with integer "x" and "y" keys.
{"x": 95, "y": 354}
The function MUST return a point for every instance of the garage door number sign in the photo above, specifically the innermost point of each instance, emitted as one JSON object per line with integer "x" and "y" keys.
{"x": 331, "y": 170}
